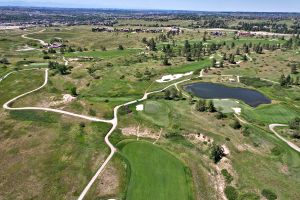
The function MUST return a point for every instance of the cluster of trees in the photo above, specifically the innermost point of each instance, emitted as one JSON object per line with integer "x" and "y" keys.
{"x": 60, "y": 68}
{"x": 268, "y": 26}
{"x": 292, "y": 43}
{"x": 203, "y": 106}
{"x": 151, "y": 44}
{"x": 173, "y": 94}
{"x": 286, "y": 81}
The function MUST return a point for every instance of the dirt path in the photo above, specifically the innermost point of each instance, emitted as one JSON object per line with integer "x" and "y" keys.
{"x": 42, "y": 42}
{"x": 113, "y": 121}
{"x": 292, "y": 145}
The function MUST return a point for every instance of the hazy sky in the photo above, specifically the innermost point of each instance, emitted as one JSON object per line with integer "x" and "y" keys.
{"x": 201, "y": 5}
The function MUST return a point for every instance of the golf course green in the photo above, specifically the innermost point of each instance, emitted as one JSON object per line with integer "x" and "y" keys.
{"x": 155, "y": 174}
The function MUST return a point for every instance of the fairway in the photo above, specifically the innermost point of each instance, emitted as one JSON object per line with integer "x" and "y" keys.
{"x": 156, "y": 174}
{"x": 278, "y": 113}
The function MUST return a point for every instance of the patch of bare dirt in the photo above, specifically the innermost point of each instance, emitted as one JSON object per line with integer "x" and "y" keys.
{"x": 67, "y": 98}
{"x": 140, "y": 132}
{"x": 219, "y": 180}
{"x": 199, "y": 138}
{"x": 108, "y": 183}
{"x": 284, "y": 169}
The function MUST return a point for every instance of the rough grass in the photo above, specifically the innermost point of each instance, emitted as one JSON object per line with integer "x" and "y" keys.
{"x": 104, "y": 54}
{"x": 155, "y": 173}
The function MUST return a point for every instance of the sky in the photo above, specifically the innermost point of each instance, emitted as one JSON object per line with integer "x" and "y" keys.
{"x": 198, "y": 5}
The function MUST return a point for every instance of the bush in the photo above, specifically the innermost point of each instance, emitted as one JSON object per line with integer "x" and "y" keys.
{"x": 227, "y": 176}
{"x": 295, "y": 124}
{"x": 276, "y": 151}
{"x": 220, "y": 115}
{"x": 249, "y": 196}
{"x": 92, "y": 112}
{"x": 74, "y": 91}
{"x": 236, "y": 124}
{"x": 268, "y": 194}
{"x": 231, "y": 193}
{"x": 217, "y": 153}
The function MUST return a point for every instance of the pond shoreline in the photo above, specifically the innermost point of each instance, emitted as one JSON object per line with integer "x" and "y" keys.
{"x": 207, "y": 90}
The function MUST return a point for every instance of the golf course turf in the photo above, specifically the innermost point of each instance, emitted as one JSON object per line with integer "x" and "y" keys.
{"x": 155, "y": 173}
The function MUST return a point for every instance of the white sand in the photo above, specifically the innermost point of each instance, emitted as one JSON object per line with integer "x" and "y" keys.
{"x": 140, "y": 107}
{"x": 173, "y": 77}
{"x": 237, "y": 110}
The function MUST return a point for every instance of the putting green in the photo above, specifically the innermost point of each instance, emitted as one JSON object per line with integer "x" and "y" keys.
{"x": 156, "y": 174}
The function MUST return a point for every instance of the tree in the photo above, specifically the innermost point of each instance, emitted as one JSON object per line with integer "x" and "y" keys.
{"x": 217, "y": 153}
{"x": 166, "y": 61}
{"x": 294, "y": 69}
{"x": 121, "y": 47}
{"x": 236, "y": 124}
{"x": 144, "y": 40}
{"x": 237, "y": 51}
{"x": 73, "y": 91}
{"x": 152, "y": 45}
{"x": 213, "y": 62}
{"x": 221, "y": 64}
{"x": 167, "y": 94}
{"x": 295, "y": 123}
{"x": 201, "y": 105}
{"x": 4, "y": 61}
{"x": 220, "y": 115}
{"x": 282, "y": 80}
{"x": 211, "y": 106}
{"x": 62, "y": 69}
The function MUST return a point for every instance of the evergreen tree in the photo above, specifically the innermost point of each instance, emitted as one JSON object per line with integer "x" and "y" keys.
{"x": 211, "y": 106}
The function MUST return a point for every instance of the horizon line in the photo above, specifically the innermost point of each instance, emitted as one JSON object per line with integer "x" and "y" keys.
{"x": 150, "y": 9}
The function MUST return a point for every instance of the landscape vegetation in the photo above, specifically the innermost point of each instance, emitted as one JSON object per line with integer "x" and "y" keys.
{"x": 107, "y": 113}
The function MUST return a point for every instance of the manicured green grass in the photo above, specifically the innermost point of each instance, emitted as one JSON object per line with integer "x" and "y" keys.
{"x": 226, "y": 105}
{"x": 156, "y": 112}
{"x": 276, "y": 113}
{"x": 155, "y": 173}
{"x": 105, "y": 54}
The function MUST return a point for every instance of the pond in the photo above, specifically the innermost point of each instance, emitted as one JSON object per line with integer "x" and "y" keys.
{"x": 219, "y": 91}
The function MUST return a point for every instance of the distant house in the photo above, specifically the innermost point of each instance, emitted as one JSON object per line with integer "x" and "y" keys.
{"x": 55, "y": 45}
{"x": 245, "y": 34}
{"x": 217, "y": 33}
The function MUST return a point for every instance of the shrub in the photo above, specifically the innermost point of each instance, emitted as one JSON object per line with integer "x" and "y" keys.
{"x": 220, "y": 115}
{"x": 227, "y": 176}
{"x": 236, "y": 124}
{"x": 73, "y": 91}
{"x": 268, "y": 194}
{"x": 217, "y": 153}
{"x": 249, "y": 196}
{"x": 92, "y": 112}
{"x": 276, "y": 151}
{"x": 231, "y": 193}
{"x": 295, "y": 124}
